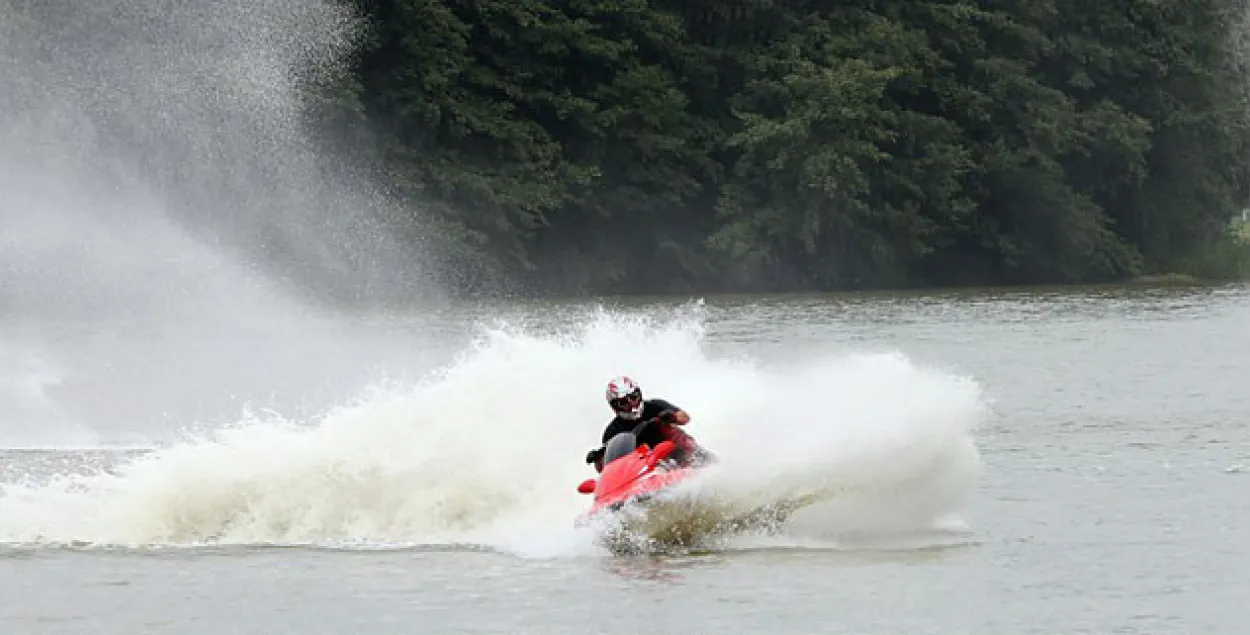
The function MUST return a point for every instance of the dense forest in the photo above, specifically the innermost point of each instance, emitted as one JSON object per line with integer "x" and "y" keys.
{"x": 627, "y": 146}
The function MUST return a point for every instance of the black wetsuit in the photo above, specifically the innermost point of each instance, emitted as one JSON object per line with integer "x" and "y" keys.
{"x": 651, "y": 435}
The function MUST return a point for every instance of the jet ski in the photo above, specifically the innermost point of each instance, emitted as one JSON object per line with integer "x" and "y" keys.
{"x": 633, "y": 472}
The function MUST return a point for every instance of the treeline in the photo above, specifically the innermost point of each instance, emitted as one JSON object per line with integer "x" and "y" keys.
{"x": 666, "y": 145}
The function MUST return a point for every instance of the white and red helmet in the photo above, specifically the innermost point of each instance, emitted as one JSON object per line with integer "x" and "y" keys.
{"x": 625, "y": 397}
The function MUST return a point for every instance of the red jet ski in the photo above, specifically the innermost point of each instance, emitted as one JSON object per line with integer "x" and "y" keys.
{"x": 632, "y": 472}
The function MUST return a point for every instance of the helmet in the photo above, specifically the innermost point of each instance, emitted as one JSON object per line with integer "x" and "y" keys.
{"x": 625, "y": 398}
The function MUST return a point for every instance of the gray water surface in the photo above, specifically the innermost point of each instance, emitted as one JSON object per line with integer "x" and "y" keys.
{"x": 1114, "y": 500}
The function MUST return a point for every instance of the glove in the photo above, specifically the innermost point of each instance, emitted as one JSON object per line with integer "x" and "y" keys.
{"x": 594, "y": 455}
{"x": 668, "y": 416}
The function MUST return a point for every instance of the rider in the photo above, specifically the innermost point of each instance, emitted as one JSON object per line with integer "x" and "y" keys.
{"x": 625, "y": 399}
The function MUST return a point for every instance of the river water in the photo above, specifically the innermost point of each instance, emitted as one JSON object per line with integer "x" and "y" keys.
{"x": 1001, "y": 461}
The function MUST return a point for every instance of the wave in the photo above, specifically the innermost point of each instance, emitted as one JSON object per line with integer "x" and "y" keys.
{"x": 488, "y": 450}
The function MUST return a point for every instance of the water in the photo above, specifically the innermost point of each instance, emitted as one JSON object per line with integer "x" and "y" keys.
{"x": 173, "y": 227}
{"x": 1005, "y": 461}
{"x": 165, "y": 160}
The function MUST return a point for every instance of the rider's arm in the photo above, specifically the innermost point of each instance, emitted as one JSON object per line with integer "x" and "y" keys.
{"x": 679, "y": 416}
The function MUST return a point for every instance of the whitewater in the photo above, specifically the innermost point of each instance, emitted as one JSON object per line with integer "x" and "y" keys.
{"x": 486, "y": 451}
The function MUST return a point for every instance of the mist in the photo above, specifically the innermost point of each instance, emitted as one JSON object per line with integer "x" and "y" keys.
{"x": 175, "y": 239}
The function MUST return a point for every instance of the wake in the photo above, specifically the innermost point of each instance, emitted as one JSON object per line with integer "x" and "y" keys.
{"x": 487, "y": 451}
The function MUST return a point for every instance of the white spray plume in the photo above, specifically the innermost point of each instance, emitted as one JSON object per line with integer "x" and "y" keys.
{"x": 488, "y": 451}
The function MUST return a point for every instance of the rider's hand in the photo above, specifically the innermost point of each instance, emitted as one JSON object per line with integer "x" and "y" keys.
{"x": 668, "y": 416}
{"x": 594, "y": 455}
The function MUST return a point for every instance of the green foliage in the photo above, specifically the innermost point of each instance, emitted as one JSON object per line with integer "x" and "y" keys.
{"x": 1227, "y": 258}
{"x": 657, "y": 145}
